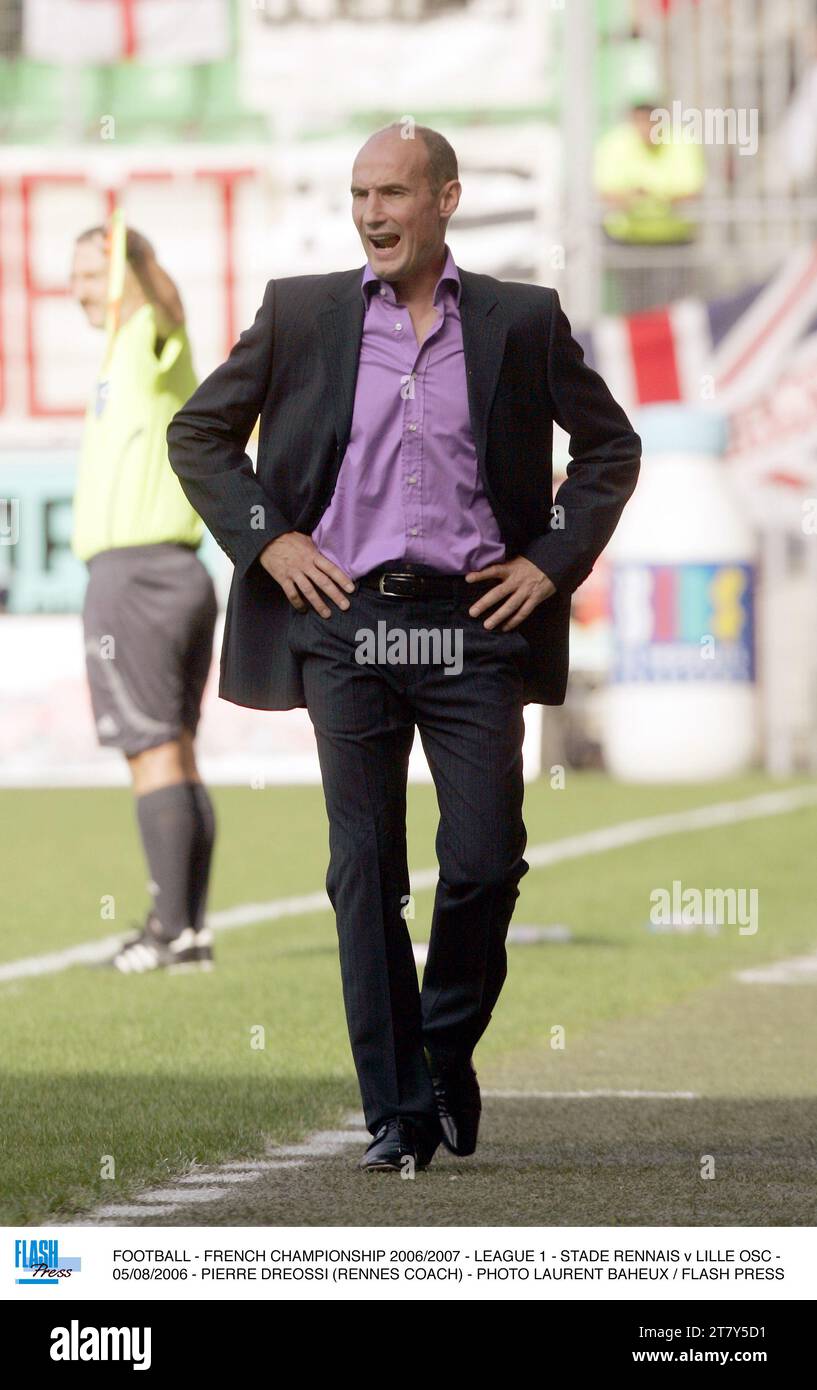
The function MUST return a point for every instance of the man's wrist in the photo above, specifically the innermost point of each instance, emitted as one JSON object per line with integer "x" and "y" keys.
{"x": 265, "y": 550}
{"x": 541, "y": 552}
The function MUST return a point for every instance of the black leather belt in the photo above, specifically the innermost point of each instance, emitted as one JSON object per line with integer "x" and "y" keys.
{"x": 407, "y": 584}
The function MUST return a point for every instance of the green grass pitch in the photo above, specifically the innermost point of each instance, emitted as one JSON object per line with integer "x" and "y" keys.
{"x": 159, "y": 1071}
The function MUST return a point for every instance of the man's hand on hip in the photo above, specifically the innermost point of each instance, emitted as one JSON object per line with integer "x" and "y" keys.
{"x": 522, "y": 586}
{"x": 304, "y": 574}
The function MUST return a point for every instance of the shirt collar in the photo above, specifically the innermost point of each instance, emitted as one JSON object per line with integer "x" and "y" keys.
{"x": 449, "y": 276}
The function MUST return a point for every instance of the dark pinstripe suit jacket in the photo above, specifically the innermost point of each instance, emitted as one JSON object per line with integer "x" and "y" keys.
{"x": 297, "y": 367}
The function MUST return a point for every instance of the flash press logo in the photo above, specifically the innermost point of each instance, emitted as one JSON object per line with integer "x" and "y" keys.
{"x": 75, "y": 1343}
{"x": 40, "y": 1262}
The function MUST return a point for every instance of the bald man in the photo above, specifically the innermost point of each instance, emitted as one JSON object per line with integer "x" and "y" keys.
{"x": 400, "y": 564}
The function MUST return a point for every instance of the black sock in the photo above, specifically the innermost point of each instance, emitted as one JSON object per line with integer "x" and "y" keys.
{"x": 167, "y": 821}
{"x": 202, "y": 853}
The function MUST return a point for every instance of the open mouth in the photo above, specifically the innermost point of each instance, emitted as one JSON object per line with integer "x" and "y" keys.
{"x": 386, "y": 241}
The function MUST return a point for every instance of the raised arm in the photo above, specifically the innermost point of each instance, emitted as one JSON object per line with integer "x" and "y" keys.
{"x": 155, "y": 283}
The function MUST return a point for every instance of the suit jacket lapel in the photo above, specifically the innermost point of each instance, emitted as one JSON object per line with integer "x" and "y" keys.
{"x": 341, "y": 325}
{"x": 483, "y": 339}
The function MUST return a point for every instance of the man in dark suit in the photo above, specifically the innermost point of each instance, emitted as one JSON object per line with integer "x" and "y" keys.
{"x": 399, "y": 563}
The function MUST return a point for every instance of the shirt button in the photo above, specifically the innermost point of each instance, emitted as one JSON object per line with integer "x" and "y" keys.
{"x": 412, "y": 427}
{"x": 398, "y": 328}
{"x": 412, "y": 478}
{"x": 382, "y": 291}
{"x": 413, "y": 531}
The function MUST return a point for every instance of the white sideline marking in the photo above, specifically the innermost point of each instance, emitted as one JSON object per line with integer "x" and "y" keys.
{"x": 115, "y": 1210}
{"x": 590, "y": 1095}
{"x": 721, "y": 813}
{"x": 217, "y": 1177}
{"x": 799, "y": 970}
{"x": 329, "y": 1141}
{"x": 170, "y": 1195}
{"x": 88, "y": 953}
{"x": 517, "y": 936}
{"x": 633, "y": 832}
{"x": 247, "y": 914}
{"x": 165, "y": 1201}
{"x": 261, "y": 1165}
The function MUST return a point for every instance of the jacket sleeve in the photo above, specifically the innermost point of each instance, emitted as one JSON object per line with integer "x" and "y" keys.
{"x": 604, "y": 463}
{"x": 207, "y": 440}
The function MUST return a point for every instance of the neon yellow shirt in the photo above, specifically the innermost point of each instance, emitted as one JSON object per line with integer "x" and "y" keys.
{"x": 665, "y": 171}
{"x": 127, "y": 493}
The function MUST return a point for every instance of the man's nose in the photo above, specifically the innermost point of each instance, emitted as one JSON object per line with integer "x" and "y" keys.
{"x": 373, "y": 212}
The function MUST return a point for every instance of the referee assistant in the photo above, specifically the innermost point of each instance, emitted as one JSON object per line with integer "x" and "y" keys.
{"x": 150, "y": 606}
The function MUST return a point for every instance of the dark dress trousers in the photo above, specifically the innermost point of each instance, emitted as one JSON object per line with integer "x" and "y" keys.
{"x": 297, "y": 366}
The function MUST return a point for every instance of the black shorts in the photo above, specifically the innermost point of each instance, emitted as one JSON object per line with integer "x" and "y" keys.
{"x": 149, "y": 617}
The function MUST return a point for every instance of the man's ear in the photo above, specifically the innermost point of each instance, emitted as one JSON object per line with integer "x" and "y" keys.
{"x": 450, "y": 198}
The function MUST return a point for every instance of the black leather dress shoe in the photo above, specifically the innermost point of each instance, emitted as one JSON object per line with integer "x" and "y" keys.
{"x": 396, "y": 1142}
{"x": 459, "y": 1104}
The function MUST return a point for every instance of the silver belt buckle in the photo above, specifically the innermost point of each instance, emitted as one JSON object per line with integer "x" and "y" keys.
{"x": 393, "y": 574}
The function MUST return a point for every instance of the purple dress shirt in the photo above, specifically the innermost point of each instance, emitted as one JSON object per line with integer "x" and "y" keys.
{"x": 409, "y": 486}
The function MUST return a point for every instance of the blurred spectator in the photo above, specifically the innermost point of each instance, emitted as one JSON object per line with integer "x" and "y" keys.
{"x": 644, "y": 182}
